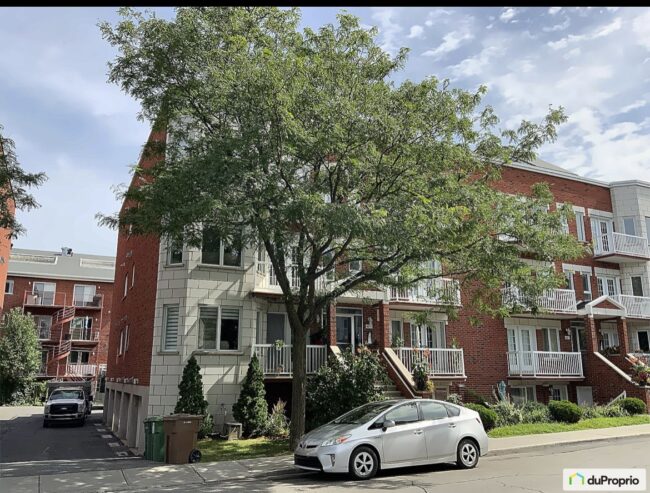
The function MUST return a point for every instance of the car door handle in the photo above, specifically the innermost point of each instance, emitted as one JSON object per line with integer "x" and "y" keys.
{"x": 452, "y": 425}
{"x": 417, "y": 432}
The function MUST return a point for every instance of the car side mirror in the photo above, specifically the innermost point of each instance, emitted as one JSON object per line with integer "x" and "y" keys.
{"x": 389, "y": 423}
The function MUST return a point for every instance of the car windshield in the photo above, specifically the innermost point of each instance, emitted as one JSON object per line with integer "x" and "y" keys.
{"x": 66, "y": 394}
{"x": 364, "y": 413}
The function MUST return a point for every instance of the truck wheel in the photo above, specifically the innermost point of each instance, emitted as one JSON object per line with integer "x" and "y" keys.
{"x": 46, "y": 423}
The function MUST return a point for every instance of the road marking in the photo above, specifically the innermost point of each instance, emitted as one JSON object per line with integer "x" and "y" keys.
{"x": 107, "y": 436}
{"x": 101, "y": 430}
{"x": 114, "y": 444}
{"x": 122, "y": 454}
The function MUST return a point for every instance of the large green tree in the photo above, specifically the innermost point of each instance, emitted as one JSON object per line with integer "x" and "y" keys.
{"x": 299, "y": 143}
{"x": 14, "y": 182}
{"x": 20, "y": 356}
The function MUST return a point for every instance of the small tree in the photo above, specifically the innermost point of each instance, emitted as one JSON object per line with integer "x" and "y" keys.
{"x": 190, "y": 391}
{"x": 19, "y": 354}
{"x": 251, "y": 408}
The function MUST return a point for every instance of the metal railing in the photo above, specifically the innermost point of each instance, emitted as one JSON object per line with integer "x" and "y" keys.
{"x": 545, "y": 364}
{"x": 553, "y": 300}
{"x": 276, "y": 360}
{"x": 429, "y": 291}
{"x": 635, "y": 246}
{"x": 84, "y": 335}
{"x": 88, "y": 301}
{"x": 644, "y": 357}
{"x": 81, "y": 370}
{"x": 44, "y": 298}
{"x": 440, "y": 361}
{"x": 636, "y": 306}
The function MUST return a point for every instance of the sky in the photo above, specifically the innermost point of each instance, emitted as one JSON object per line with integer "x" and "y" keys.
{"x": 67, "y": 120}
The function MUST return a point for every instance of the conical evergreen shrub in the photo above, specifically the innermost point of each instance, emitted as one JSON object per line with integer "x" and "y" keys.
{"x": 251, "y": 409}
{"x": 190, "y": 391}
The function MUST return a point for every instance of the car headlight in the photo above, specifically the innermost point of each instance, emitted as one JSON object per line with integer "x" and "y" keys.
{"x": 335, "y": 441}
{"x": 80, "y": 407}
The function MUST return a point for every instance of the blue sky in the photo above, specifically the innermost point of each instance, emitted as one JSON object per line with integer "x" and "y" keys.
{"x": 84, "y": 133}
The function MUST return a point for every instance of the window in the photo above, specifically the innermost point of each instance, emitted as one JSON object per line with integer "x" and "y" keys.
{"x": 133, "y": 276}
{"x": 565, "y": 225}
{"x": 43, "y": 326}
{"x": 9, "y": 286}
{"x": 43, "y": 369}
{"x": 170, "y": 327}
{"x": 559, "y": 393}
{"x": 120, "y": 349}
{"x": 637, "y": 286}
{"x": 216, "y": 252}
{"x": 586, "y": 286}
{"x": 275, "y": 328}
{"x": 79, "y": 357}
{"x": 126, "y": 285}
{"x": 126, "y": 339}
{"x": 578, "y": 341}
{"x": 629, "y": 227}
{"x": 452, "y": 411}
{"x": 43, "y": 293}
{"x": 607, "y": 285}
{"x": 80, "y": 328}
{"x": 396, "y": 334}
{"x": 406, "y": 413}
{"x": 609, "y": 338}
{"x": 580, "y": 226}
{"x": 433, "y": 410}
{"x": 551, "y": 340}
{"x": 521, "y": 395}
{"x": 219, "y": 332}
{"x": 83, "y": 295}
{"x": 174, "y": 252}
{"x": 568, "y": 275}
{"x": 355, "y": 266}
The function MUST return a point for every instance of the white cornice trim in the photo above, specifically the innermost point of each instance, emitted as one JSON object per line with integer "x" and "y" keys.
{"x": 583, "y": 269}
{"x": 599, "y": 213}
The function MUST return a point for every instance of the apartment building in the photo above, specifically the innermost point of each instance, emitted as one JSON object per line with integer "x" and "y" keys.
{"x": 222, "y": 304}
{"x": 70, "y": 296}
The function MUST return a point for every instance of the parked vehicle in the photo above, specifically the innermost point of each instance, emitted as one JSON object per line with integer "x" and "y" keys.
{"x": 67, "y": 404}
{"x": 394, "y": 433}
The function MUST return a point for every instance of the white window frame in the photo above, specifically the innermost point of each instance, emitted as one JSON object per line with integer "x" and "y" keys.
{"x": 133, "y": 276}
{"x": 564, "y": 392}
{"x": 547, "y": 336}
{"x": 164, "y": 347}
{"x": 626, "y": 222}
{"x": 355, "y": 266}
{"x": 580, "y": 226}
{"x": 120, "y": 349}
{"x": 74, "y": 299}
{"x": 220, "y": 310}
{"x": 79, "y": 352}
{"x": 170, "y": 249}
{"x": 647, "y": 228}
{"x": 126, "y": 285}
{"x": 221, "y": 257}
{"x": 609, "y": 337}
{"x": 527, "y": 389}
{"x": 401, "y": 329}
{"x": 568, "y": 275}
{"x": 286, "y": 330}
{"x": 586, "y": 286}
{"x": 9, "y": 284}
{"x": 126, "y": 338}
{"x": 640, "y": 278}
{"x": 38, "y": 319}
{"x": 603, "y": 285}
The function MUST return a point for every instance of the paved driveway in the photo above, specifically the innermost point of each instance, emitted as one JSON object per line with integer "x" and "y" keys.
{"x": 26, "y": 448}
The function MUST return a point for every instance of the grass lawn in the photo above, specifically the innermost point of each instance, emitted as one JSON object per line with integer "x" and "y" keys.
{"x": 585, "y": 424}
{"x": 216, "y": 450}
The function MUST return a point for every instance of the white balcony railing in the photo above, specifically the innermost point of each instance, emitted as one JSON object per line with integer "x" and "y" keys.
{"x": 644, "y": 357}
{"x": 44, "y": 298}
{"x": 268, "y": 280}
{"x": 87, "y": 300}
{"x": 441, "y": 362}
{"x": 544, "y": 364}
{"x": 81, "y": 370}
{"x": 84, "y": 335}
{"x": 608, "y": 244}
{"x": 636, "y": 306}
{"x": 437, "y": 291}
{"x": 553, "y": 300}
{"x": 277, "y": 360}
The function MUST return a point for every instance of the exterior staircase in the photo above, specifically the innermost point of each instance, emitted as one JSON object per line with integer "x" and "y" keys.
{"x": 390, "y": 390}
{"x": 62, "y": 350}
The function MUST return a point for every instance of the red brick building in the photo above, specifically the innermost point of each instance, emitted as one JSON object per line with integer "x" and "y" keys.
{"x": 222, "y": 305}
{"x": 70, "y": 296}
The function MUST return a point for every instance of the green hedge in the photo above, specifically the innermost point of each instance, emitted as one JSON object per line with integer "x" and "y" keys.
{"x": 565, "y": 411}
{"x": 488, "y": 416}
{"x": 633, "y": 405}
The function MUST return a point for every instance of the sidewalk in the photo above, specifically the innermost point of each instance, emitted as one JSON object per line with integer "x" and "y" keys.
{"x": 272, "y": 467}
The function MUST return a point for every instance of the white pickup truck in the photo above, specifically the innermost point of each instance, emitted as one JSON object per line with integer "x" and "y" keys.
{"x": 66, "y": 404}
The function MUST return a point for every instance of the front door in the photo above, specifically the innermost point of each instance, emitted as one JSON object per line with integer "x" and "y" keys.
{"x": 603, "y": 238}
{"x": 643, "y": 340}
{"x": 348, "y": 328}
{"x": 521, "y": 344}
{"x": 404, "y": 442}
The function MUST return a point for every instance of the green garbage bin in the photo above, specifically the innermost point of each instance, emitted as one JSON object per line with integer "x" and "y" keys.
{"x": 154, "y": 439}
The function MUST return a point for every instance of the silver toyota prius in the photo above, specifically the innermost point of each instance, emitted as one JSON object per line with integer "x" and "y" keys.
{"x": 394, "y": 433}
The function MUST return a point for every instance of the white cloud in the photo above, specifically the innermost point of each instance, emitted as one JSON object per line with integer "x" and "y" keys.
{"x": 474, "y": 65}
{"x": 450, "y": 42}
{"x": 508, "y": 14}
{"x": 639, "y": 103}
{"x": 558, "y": 27}
{"x": 600, "y": 32}
{"x": 389, "y": 28}
{"x": 554, "y": 10}
{"x": 641, "y": 28}
{"x": 416, "y": 32}
{"x": 435, "y": 15}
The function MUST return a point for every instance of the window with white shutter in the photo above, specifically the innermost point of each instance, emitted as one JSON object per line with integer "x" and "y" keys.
{"x": 170, "y": 327}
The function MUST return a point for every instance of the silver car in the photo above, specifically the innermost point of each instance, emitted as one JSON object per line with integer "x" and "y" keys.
{"x": 395, "y": 433}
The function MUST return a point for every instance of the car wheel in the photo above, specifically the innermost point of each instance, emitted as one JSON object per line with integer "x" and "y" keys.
{"x": 467, "y": 455}
{"x": 363, "y": 463}
{"x": 45, "y": 423}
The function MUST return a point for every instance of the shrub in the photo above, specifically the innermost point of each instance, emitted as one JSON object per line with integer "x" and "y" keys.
{"x": 535, "y": 412}
{"x": 190, "y": 391}
{"x": 278, "y": 424}
{"x": 633, "y": 405}
{"x": 342, "y": 385}
{"x": 610, "y": 411}
{"x": 565, "y": 411}
{"x": 251, "y": 409}
{"x": 507, "y": 413}
{"x": 454, "y": 399}
{"x": 207, "y": 426}
{"x": 473, "y": 396}
{"x": 420, "y": 372}
{"x": 488, "y": 416}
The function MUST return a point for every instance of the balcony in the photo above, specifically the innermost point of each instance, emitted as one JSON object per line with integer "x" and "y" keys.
{"x": 437, "y": 291}
{"x": 88, "y": 301}
{"x": 84, "y": 335}
{"x": 621, "y": 248}
{"x": 276, "y": 361}
{"x": 46, "y": 298}
{"x": 441, "y": 362}
{"x": 561, "y": 301}
{"x": 44, "y": 333}
{"x": 636, "y": 306}
{"x": 81, "y": 370}
{"x": 545, "y": 364}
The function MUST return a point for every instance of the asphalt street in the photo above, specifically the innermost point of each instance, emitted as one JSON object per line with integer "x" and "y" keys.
{"x": 26, "y": 448}
{"x": 523, "y": 472}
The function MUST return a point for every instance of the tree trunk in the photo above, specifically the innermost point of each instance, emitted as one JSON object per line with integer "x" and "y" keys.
{"x": 298, "y": 382}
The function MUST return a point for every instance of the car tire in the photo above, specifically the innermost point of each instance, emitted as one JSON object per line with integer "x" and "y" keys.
{"x": 46, "y": 423}
{"x": 364, "y": 463}
{"x": 467, "y": 454}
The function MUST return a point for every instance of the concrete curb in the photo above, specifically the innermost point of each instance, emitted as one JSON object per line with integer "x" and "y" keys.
{"x": 534, "y": 448}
